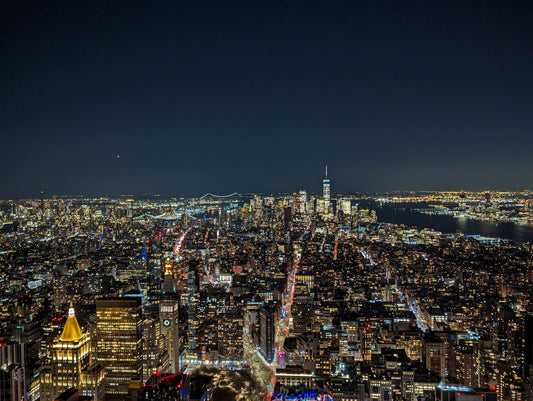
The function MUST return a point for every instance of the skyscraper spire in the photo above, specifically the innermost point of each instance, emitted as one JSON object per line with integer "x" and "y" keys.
{"x": 326, "y": 193}
{"x": 42, "y": 203}
{"x": 168, "y": 268}
{"x": 71, "y": 331}
{"x": 169, "y": 285}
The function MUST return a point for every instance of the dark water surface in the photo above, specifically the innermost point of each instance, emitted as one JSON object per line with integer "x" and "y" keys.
{"x": 404, "y": 214}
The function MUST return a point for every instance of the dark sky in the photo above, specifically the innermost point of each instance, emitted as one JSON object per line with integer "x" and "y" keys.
{"x": 252, "y": 96}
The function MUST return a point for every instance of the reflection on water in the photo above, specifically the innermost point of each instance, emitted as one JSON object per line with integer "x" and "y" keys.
{"x": 402, "y": 214}
{"x": 462, "y": 224}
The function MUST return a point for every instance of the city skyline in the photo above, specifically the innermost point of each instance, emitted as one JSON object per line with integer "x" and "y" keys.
{"x": 280, "y": 298}
{"x": 221, "y": 98}
{"x": 324, "y": 190}
{"x": 266, "y": 201}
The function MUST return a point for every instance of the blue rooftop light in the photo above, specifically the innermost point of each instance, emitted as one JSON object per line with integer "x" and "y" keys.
{"x": 448, "y": 387}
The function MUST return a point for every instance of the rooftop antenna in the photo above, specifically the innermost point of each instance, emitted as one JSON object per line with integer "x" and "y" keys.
{"x": 42, "y": 203}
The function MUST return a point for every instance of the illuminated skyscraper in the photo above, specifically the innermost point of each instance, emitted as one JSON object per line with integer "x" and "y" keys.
{"x": 325, "y": 188}
{"x": 119, "y": 347}
{"x": 193, "y": 298}
{"x": 345, "y": 205}
{"x": 303, "y": 201}
{"x": 70, "y": 366}
{"x": 168, "y": 317}
{"x": 326, "y": 193}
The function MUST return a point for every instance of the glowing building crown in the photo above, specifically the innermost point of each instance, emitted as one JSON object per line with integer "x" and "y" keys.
{"x": 71, "y": 331}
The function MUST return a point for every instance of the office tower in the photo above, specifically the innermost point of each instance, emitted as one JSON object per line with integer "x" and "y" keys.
{"x": 193, "y": 298}
{"x": 251, "y": 321}
{"x": 223, "y": 216}
{"x": 153, "y": 359}
{"x": 153, "y": 254}
{"x": 268, "y": 320}
{"x": 303, "y": 201}
{"x": 326, "y": 189}
{"x": 287, "y": 217}
{"x": 320, "y": 206}
{"x": 310, "y": 206}
{"x": 70, "y": 365}
{"x": 230, "y": 335}
{"x": 119, "y": 347}
{"x": 325, "y": 207}
{"x": 13, "y": 372}
{"x": 168, "y": 317}
{"x": 346, "y": 206}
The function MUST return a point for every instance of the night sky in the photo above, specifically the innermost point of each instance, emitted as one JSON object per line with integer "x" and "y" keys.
{"x": 254, "y": 96}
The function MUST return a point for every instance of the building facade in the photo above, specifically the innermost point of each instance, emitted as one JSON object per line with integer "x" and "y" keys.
{"x": 119, "y": 345}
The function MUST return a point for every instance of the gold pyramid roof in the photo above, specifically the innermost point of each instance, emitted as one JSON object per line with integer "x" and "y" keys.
{"x": 71, "y": 331}
{"x": 168, "y": 268}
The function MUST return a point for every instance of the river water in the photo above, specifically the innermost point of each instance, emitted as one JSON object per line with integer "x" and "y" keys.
{"x": 403, "y": 213}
